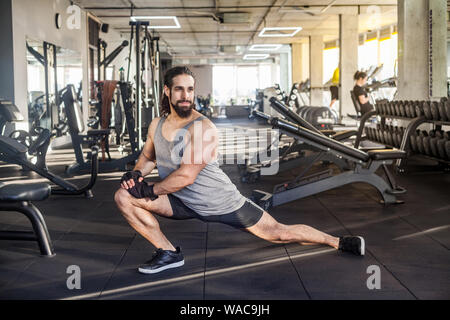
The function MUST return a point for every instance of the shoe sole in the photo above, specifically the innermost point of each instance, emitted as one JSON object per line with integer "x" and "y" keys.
{"x": 169, "y": 266}
{"x": 363, "y": 246}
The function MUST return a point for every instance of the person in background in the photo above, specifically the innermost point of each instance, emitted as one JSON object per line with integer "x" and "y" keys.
{"x": 334, "y": 88}
{"x": 360, "y": 93}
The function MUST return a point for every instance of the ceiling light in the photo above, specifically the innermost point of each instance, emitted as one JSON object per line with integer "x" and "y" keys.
{"x": 265, "y": 47}
{"x": 280, "y": 34}
{"x": 256, "y": 56}
{"x": 176, "y": 24}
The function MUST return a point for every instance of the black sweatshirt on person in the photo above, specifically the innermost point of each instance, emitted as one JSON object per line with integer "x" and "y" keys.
{"x": 359, "y": 91}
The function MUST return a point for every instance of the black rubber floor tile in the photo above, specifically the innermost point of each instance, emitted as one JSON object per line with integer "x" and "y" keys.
{"x": 237, "y": 272}
{"x": 381, "y": 231}
{"x": 185, "y": 240}
{"x": 327, "y": 270}
{"x": 183, "y": 281}
{"x": 93, "y": 242}
{"x": 425, "y": 283}
{"x": 413, "y": 252}
{"x": 14, "y": 262}
{"x": 47, "y": 278}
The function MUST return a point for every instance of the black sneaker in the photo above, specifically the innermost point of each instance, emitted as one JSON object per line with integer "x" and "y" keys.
{"x": 355, "y": 245}
{"x": 162, "y": 260}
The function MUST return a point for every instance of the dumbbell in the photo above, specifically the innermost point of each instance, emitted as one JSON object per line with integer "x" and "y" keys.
{"x": 412, "y": 108}
{"x": 387, "y": 136}
{"x": 379, "y": 134}
{"x": 447, "y": 109}
{"x": 447, "y": 144}
{"x": 392, "y": 137}
{"x": 406, "y": 108}
{"x": 413, "y": 141}
{"x": 419, "y": 141}
{"x": 392, "y": 108}
{"x": 302, "y": 111}
{"x": 397, "y": 108}
{"x": 384, "y": 108}
{"x": 427, "y": 110}
{"x": 441, "y": 145}
{"x": 378, "y": 107}
{"x": 435, "y": 136}
{"x": 401, "y": 132}
{"x": 403, "y": 106}
{"x": 368, "y": 133}
{"x": 397, "y": 137}
{"x": 427, "y": 143}
{"x": 434, "y": 110}
{"x": 419, "y": 108}
{"x": 442, "y": 113}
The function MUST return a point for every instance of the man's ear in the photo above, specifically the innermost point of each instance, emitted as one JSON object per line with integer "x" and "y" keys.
{"x": 167, "y": 91}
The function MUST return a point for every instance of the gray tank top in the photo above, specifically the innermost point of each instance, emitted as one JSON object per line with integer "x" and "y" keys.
{"x": 212, "y": 193}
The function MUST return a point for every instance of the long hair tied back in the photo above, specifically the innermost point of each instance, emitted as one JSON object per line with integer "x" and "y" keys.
{"x": 359, "y": 74}
{"x": 168, "y": 81}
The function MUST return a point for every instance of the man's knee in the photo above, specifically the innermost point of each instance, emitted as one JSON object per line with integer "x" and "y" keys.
{"x": 122, "y": 198}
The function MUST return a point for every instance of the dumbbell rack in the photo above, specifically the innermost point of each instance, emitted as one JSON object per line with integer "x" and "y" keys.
{"x": 417, "y": 113}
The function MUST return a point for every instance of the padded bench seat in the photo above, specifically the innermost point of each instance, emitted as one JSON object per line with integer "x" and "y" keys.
{"x": 24, "y": 192}
{"x": 99, "y": 132}
{"x": 386, "y": 154}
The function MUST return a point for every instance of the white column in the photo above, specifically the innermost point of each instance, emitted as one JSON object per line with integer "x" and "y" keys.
{"x": 348, "y": 61}
{"x": 422, "y": 41}
{"x": 316, "y": 69}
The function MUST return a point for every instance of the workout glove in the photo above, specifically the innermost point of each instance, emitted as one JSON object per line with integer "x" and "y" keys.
{"x": 135, "y": 175}
{"x": 143, "y": 190}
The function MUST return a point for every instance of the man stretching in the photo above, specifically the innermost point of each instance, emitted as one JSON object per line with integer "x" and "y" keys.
{"x": 183, "y": 143}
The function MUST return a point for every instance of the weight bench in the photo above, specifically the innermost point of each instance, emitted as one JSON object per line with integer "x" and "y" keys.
{"x": 364, "y": 166}
{"x": 18, "y": 197}
{"x": 12, "y": 151}
{"x": 252, "y": 173}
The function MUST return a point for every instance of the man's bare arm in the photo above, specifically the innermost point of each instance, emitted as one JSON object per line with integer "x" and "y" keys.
{"x": 196, "y": 157}
{"x": 147, "y": 159}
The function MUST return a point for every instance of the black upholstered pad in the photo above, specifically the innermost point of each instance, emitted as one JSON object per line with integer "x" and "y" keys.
{"x": 386, "y": 154}
{"x": 318, "y": 138}
{"x": 98, "y": 132}
{"x": 345, "y": 134}
{"x": 11, "y": 146}
{"x": 24, "y": 192}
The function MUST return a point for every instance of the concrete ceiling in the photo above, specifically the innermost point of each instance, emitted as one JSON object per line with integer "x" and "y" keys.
{"x": 203, "y": 33}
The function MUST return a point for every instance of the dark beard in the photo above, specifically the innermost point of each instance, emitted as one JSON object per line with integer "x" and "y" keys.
{"x": 183, "y": 112}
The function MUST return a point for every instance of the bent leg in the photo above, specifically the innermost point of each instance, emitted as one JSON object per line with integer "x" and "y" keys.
{"x": 269, "y": 229}
{"x": 139, "y": 214}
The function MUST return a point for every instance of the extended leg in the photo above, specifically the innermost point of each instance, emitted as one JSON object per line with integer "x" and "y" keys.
{"x": 269, "y": 229}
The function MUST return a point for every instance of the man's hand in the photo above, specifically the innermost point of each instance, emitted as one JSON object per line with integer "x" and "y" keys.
{"x": 130, "y": 178}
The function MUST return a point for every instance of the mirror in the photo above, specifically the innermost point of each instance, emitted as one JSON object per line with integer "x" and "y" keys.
{"x": 50, "y": 69}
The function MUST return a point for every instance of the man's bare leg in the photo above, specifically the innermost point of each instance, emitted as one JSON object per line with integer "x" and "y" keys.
{"x": 269, "y": 229}
{"x": 139, "y": 214}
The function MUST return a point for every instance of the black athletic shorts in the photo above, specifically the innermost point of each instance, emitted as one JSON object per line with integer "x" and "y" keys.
{"x": 334, "y": 92}
{"x": 246, "y": 216}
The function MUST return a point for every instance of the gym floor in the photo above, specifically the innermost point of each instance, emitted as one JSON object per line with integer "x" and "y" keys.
{"x": 409, "y": 243}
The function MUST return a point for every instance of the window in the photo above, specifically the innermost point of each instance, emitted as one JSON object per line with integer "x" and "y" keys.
{"x": 368, "y": 54}
{"x": 238, "y": 83}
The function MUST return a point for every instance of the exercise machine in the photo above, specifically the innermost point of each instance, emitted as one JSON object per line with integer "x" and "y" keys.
{"x": 363, "y": 169}
{"x": 94, "y": 137}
